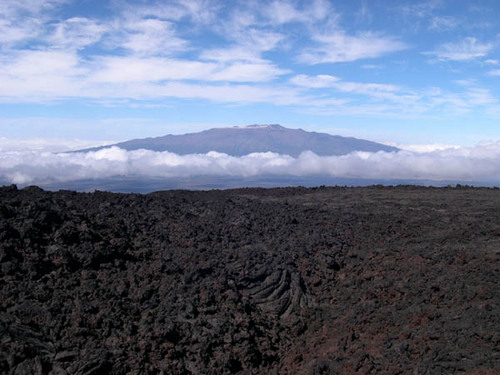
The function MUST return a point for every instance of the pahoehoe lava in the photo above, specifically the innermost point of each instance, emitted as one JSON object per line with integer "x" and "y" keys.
{"x": 375, "y": 280}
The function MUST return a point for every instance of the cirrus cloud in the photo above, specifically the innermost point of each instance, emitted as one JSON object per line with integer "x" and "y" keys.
{"x": 467, "y": 49}
{"x": 341, "y": 47}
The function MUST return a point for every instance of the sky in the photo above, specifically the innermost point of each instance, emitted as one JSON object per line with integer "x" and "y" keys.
{"x": 421, "y": 75}
{"x": 406, "y": 72}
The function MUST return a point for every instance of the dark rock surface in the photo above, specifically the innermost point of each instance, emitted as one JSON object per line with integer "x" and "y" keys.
{"x": 377, "y": 280}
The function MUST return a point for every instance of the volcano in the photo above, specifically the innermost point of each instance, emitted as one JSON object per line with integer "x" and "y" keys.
{"x": 244, "y": 140}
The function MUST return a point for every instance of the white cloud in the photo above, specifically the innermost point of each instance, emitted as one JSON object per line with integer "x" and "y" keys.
{"x": 235, "y": 93}
{"x": 40, "y": 75}
{"x": 248, "y": 47}
{"x": 152, "y": 37}
{"x": 151, "y": 52}
{"x": 480, "y": 97}
{"x": 388, "y": 99}
{"x": 426, "y": 148}
{"x": 340, "y": 47}
{"x": 147, "y": 69}
{"x": 260, "y": 40}
{"x": 171, "y": 11}
{"x": 233, "y": 53}
{"x": 316, "y": 82}
{"x": 421, "y": 9}
{"x": 283, "y": 11}
{"x": 246, "y": 72}
{"x": 154, "y": 69}
{"x": 416, "y": 15}
{"x": 466, "y": 101}
{"x": 135, "y": 53}
{"x": 478, "y": 163}
{"x": 466, "y": 82}
{"x": 372, "y": 66}
{"x": 201, "y": 11}
{"x": 363, "y": 15}
{"x": 256, "y": 27}
{"x": 22, "y": 20}
{"x": 248, "y": 40}
{"x": 442, "y": 23}
{"x": 375, "y": 90}
{"x": 12, "y": 8}
{"x": 198, "y": 11}
{"x": 13, "y": 32}
{"x": 467, "y": 49}
{"x": 76, "y": 33}
{"x": 53, "y": 75}
{"x": 494, "y": 72}
{"x": 37, "y": 63}
{"x": 49, "y": 76}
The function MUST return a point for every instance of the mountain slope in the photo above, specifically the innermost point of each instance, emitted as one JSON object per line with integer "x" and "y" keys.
{"x": 239, "y": 141}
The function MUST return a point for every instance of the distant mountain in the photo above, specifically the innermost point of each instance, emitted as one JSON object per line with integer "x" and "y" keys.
{"x": 239, "y": 141}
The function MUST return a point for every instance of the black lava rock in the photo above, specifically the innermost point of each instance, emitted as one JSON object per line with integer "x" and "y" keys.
{"x": 389, "y": 280}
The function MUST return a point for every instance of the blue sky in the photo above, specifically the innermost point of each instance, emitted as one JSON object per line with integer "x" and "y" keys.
{"x": 406, "y": 72}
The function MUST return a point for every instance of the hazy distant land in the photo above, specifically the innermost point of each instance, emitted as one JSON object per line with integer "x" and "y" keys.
{"x": 251, "y": 156}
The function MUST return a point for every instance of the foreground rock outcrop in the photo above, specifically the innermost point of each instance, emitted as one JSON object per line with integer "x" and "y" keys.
{"x": 389, "y": 280}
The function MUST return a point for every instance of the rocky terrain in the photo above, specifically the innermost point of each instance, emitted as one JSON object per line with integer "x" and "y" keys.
{"x": 375, "y": 280}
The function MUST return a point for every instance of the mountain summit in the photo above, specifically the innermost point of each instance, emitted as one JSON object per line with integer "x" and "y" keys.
{"x": 243, "y": 140}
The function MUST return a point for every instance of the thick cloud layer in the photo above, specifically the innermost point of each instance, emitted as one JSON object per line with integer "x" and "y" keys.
{"x": 480, "y": 163}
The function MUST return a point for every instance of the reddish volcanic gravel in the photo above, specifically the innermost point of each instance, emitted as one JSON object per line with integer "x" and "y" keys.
{"x": 376, "y": 280}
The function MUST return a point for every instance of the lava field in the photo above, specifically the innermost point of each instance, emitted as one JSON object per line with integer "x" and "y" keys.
{"x": 329, "y": 280}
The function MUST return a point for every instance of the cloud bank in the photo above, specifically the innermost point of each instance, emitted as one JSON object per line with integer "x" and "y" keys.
{"x": 478, "y": 163}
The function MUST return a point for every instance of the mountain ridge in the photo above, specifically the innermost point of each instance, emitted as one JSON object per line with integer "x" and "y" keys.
{"x": 244, "y": 140}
